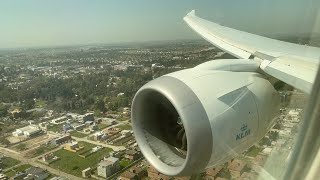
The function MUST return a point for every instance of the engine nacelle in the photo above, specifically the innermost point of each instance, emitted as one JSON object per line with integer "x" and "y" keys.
{"x": 197, "y": 118}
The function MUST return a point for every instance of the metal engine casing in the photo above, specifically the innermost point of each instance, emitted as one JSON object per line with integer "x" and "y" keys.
{"x": 224, "y": 106}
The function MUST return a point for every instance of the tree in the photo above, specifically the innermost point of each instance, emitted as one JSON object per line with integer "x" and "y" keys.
{"x": 3, "y": 110}
{"x": 100, "y": 105}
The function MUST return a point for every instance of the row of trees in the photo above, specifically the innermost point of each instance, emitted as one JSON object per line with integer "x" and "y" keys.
{"x": 95, "y": 91}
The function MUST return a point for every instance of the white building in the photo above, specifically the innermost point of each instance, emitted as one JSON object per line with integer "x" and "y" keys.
{"x": 59, "y": 120}
{"x": 28, "y": 131}
{"x": 108, "y": 167}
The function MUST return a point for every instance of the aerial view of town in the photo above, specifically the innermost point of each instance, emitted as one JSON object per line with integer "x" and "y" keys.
{"x": 65, "y": 112}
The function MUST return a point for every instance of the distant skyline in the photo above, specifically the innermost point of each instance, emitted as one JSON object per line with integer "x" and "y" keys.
{"x": 32, "y": 23}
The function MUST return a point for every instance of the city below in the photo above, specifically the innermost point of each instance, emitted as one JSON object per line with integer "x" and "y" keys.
{"x": 65, "y": 113}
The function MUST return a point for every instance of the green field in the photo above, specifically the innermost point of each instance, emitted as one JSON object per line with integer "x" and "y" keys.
{"x": 125, "y": 162}
{"x": 42, "y": 149}
{"x": 78, "y": 134}
{"x": 253, "y": 151}
{"x": 73, "y": 164}
{"x": 102, "y": 126}
{"x": 21, "y": 168}
{"x": 8, "y": 162}
{"x": 125, "y": 127}
{"x": 40, "y": 103}
{"x": 55, "y": 127}
{"x": 123, "y": 141}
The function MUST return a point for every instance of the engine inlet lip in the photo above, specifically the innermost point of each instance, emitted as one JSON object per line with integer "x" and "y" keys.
{"x": 194, "y": 120}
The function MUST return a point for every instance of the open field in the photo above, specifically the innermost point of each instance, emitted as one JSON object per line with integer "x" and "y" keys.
{"x": 125, "y": 162}
{"x": 21, "y": 168}
{"x": 8, "y": 162}
{"x": 55, "y": 127}
{"x": 123, "y": 141}
{"x": 102, "y": 126}
{"x": 78, "y": 134}
{"x": 32, "y": 143}
{"x": 253, "y": 151}
{"x": 72, "y": 163}
{"x": 125, "y": 127}
{"x": 40, "y": 150}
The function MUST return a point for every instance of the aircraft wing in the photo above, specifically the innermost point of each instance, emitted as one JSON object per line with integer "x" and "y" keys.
{"x": 291, "y": 63}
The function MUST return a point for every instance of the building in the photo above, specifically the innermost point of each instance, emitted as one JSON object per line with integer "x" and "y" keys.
{"x": 212, "y": 172}
{"x": 88, "y": 117}
{"x": 126, "y": 111}
{"x": 127, "y": 175}
{"x": 220, "y": 178}
{"x": 260, "y": 160}
{"x": 66, "y": 127}
{"x": 267, "y": 151}
{"x": 59, "y": 178}
{"x": 73, "y": 146}
{"x": 17, "y": 176}
{"x": 28, "y": 131}
{"x": 78, "y": 126}
{"x": 36, "y": 110}
{"x": 36, "y": 173}
{"x": 126, "y": 133}
{"x": 43, "y": 125}
{"x": 59, "y": 120}
{"x": 61, "y": 140}
{"x": 113, "y": 131}
{"x": 132, "y": 154}
{"x": 108, "y": 167}
{"x": 3, "y": 176}
{"x": 94, "y": 127}
{"x": 99, "y": 136}
{"x": 48, "y": 157}
{"x": 86, "y": 172}
{"x": 141, "y": 173}
{"x": 153, "y": 174}
{"x": 117, "y": 154}
{"x": 237, "y": 168}
{"x": 249, "y": 176}
{"x": 182, "y": 178}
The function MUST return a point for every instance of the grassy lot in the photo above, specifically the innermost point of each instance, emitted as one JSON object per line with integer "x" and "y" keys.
{"x": 8, "y": 162}
{"x": 125, "y": 162}
{"x": 40, "y": 103}
{"x": 21, "y": 168}
{"x": 123, "y": 141}
{"x": 125, "y": 127}
{"x": 21, "y": 146}
{"x": 78, "y": 134}
{"x": 42, "y": 149}
{"x": 72, "y": 163}
{"x": 102, "y": 126}
{"x": 55, "y": 127}
{"x": 87, "y": 146}
{"x": 253, "y": 151}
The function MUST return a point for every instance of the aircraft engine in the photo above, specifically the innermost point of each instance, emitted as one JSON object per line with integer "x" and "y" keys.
{"x": 201, "y": 117}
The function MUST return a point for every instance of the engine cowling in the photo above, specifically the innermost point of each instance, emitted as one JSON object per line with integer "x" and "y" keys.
{"x": 197, "y": 118}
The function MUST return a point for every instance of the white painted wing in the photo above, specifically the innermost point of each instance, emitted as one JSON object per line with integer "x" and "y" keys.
{"x": 292, "y": 63}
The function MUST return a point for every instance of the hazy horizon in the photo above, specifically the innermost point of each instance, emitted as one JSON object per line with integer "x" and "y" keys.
{"x": 36, "y": 23}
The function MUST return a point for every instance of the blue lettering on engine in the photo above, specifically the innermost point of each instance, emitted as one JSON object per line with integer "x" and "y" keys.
{"x": 244, "y": 131}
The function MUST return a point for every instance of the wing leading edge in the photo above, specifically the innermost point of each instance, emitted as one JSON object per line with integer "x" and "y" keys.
{"x": 292, "y": 63}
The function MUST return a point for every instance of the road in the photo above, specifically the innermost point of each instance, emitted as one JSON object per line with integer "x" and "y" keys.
{"x": 18, "y": 156}
{"x": 115, "y": 148}
{"x": 48, "y": 152}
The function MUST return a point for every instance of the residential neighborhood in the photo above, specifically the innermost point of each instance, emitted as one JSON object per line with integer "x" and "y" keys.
{"x": 67, "y": 115}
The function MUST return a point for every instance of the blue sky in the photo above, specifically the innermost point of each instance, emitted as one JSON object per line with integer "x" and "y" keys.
{"x": 65, "y": 22}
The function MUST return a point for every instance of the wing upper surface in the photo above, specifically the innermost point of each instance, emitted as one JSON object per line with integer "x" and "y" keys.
{"x": 292, "y": 63}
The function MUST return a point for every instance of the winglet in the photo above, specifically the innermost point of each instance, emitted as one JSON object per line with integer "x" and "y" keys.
{"x": 192, "y": 13}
